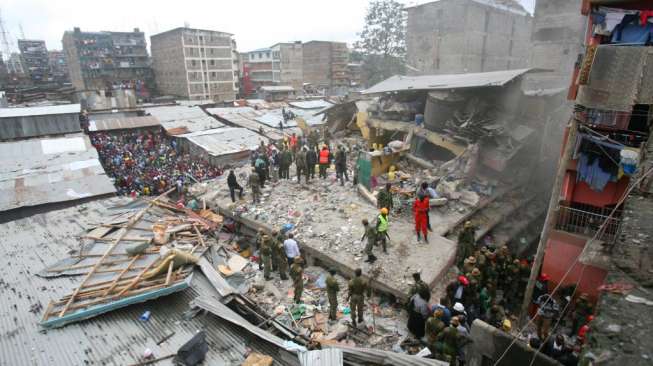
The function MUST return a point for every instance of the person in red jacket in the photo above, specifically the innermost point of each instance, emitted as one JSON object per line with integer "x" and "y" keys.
{"x": 324, "y": 160}
{"x": 421, "y": 209}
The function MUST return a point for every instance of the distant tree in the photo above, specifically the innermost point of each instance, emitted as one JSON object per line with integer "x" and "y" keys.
{"x": 383, "y": 40}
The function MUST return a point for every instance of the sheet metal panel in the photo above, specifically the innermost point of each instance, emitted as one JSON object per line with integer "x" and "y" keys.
{"x": 40, "y": 171}
{"x": 116, "y": 338}
{"x": 40, "y": 111}
{"x": 311, "y": 104}
{"x": 123, "y": 123}
{"x": 225, "y": 141}
{"x": 192, "y": 118}
{"x": 443, "y": 82}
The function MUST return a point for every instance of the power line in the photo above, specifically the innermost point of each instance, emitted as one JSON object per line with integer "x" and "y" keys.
{"x": 599, "y": 232}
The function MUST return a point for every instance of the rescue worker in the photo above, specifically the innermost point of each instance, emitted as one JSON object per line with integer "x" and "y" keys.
{"x": 265, "y": 251}
{"x": 284, "y": 163}
{"x": 433, "y": 329}
{"x": 370, "y": 234}
{"x": 341, "y": 165}
{"x": 273, "y": 247}
{"x": 450, "y": 341}
{"x": 358, "y": 288}
{"x": 255, "y": 186}
{"x": 385, "y": 197}
{"x": 418, "y": 286}
{"x": 382, "y": 228}
{"x": 324, "y": 160}
{"x": 297, "y": 275}
{"x": 511, "y": 289}
{"x": 233, "y": 185}
{"x": 280, "y": 252}
{"x": 466, "y": 240}
{"x": 583, "y": 308}
{"x": 311, "y": 160}
{"x": 420, "y": 211}
{"x": 313, "y": 138}
{"x": 332, "y": 288}
{"x": 300, "y": 164}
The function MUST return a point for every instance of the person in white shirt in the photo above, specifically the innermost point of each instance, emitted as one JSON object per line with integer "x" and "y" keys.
{"x": 291, "y": 248}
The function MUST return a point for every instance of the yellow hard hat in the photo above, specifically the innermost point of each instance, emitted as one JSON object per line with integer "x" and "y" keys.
{"x": 384, "y": 211}
{"x": 506, "y": 325}
{"x": 468, "y": 224}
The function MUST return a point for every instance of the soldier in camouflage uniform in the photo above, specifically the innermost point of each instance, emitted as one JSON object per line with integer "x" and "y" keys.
{"x": 419, "y": 287}
{"x": 265, "y": 252}
{"x": 432, "y": 329}
{"x": 297, "y": 275}
{"x": 466, "y": 241}
{"x": 384, "y": 198}
{"x": 511, "y": 289}
{"x": 279, "y": 252}
{"x": 275, "y": 254}
{"x": 450, "y": 340}
{"x": 358, "y": 288}
{"x": 332, "y": 288}
{"x": 370, "y": 234}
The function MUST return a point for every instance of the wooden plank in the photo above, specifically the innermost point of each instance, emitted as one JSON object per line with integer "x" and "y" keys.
{"x": 111, "y": 239}
{"x": 115, "y": 280}
{"x": 123, "y": 232}
{"x": 138, "y": 278}
{"x": 169, "y": 275}
{"x": 69, "y": 268}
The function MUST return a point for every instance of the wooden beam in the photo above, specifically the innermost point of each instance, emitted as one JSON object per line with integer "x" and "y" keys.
{"x": 138, "y": 278}
{"x": 123, "y": 232}
{"x": 115, "y": 280}
{"x": 169, "y": 276}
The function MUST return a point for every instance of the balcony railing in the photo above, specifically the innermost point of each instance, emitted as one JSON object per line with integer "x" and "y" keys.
{"x": 588, "y": 222}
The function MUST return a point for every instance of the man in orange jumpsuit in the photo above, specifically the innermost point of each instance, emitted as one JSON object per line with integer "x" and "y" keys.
{"x": 421, "y": 209}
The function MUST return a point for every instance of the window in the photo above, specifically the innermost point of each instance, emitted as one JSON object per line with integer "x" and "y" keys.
{"x": 212, "y": 62}
{"x": 267, "y": 54}
{"x": 213, "y": 75}
{"x": 193, "y": 62}
{"x": 201, "y": 39}
{"x": 189, "y": 40}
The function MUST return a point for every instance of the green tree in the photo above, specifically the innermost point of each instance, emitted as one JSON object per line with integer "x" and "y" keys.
{"x": 383, "y": 40}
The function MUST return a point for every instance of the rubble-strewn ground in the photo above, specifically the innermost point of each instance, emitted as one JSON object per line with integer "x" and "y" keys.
{"x": 327, "y": 217}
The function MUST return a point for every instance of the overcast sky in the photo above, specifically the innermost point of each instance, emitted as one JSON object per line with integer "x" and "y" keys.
{"x": 255, "y": 23}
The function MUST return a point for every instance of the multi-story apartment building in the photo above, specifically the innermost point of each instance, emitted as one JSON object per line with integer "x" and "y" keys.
{"x": 325, "y": 65}
{"x": 196, "y": 64}
{"x": 108, "y": 60}
{"x": 280, "y": 64}
{"x": 463, "y": 36}
{"x": 604, "y": 145}
{"x": 58, "y": 66}
{"x": 34, "y": 57}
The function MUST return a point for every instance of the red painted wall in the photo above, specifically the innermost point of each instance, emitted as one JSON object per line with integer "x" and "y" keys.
{"x": 581, "y": 192}
{"x": 562, "y": 250}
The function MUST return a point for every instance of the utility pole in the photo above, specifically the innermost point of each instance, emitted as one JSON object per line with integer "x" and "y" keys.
{"x": 22, "y": 32}
{"x": 551, "y": 218}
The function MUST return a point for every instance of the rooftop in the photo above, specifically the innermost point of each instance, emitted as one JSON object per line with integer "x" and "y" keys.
{"x": 46, "y": 170}
{"x": 123, "y": 123}
{"x": 505, "y": 5}
{"x": 446, "y": 82}
{"x": 189, "y": 119}
{"x": 191, "y": 29}
{"x": 225, "y": 141}
{"x": 40, "y": 111}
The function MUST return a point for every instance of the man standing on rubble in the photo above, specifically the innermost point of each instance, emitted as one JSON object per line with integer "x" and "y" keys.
{"x": 466, "y": 240}
{"x": 332, "y": 288}
{"x": 297, "y": 275}
{"x": 279, "y": 252}
{"x": 265, "y": 251}
{"x": 291, "y": 248}
{"x": 233, "y": 185}
{"x": 341, "y": 165}
{"x": 382, "y": 228}
{"x": 284, "y": 164}
{"x": 255, "y": 186}
{"x": 385, "y": 197}
{"x": 324, "y": 160}
{"x": 300, "y": 164}
{"x": 370, "y": 234}
{"x": 418, "y": 286}
{"x": 311, "y": 160}
{"x": 421, "y": 212}
{"x": 358, "y": 288}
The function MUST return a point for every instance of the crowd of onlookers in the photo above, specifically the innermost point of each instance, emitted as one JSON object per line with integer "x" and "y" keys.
{"x": 147, "y": 162}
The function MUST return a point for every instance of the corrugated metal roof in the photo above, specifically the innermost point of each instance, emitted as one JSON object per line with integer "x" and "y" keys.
{"x": 116, "y": 338}
{"x": 451, "y": 81}
{"x": 277, "y": 88}
{"x": 311, "y": 104}
{"x": 323, "y": 357}
{"x": 193, "y": 118}
{"x": 224, "y": 141}
{"x": 39, "y": 171}
{"x": 246, "y": 117}
{"x": 123, "y": 123}
{"x": 40, "y": 111}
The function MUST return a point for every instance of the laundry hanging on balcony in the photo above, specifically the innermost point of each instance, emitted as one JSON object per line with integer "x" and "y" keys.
{"x": 599, "y": 161}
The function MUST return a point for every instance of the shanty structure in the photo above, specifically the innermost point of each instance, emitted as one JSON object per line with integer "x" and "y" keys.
{"x": 222, "y": 145}
{"x": 39, "y": 121}
{"x": 42, "y": 171}
{"x": 250, "y": 119}
{"x": 179, "y": 119}
{"x": 123, "y": 263}
{"x": 123, "y": 123}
